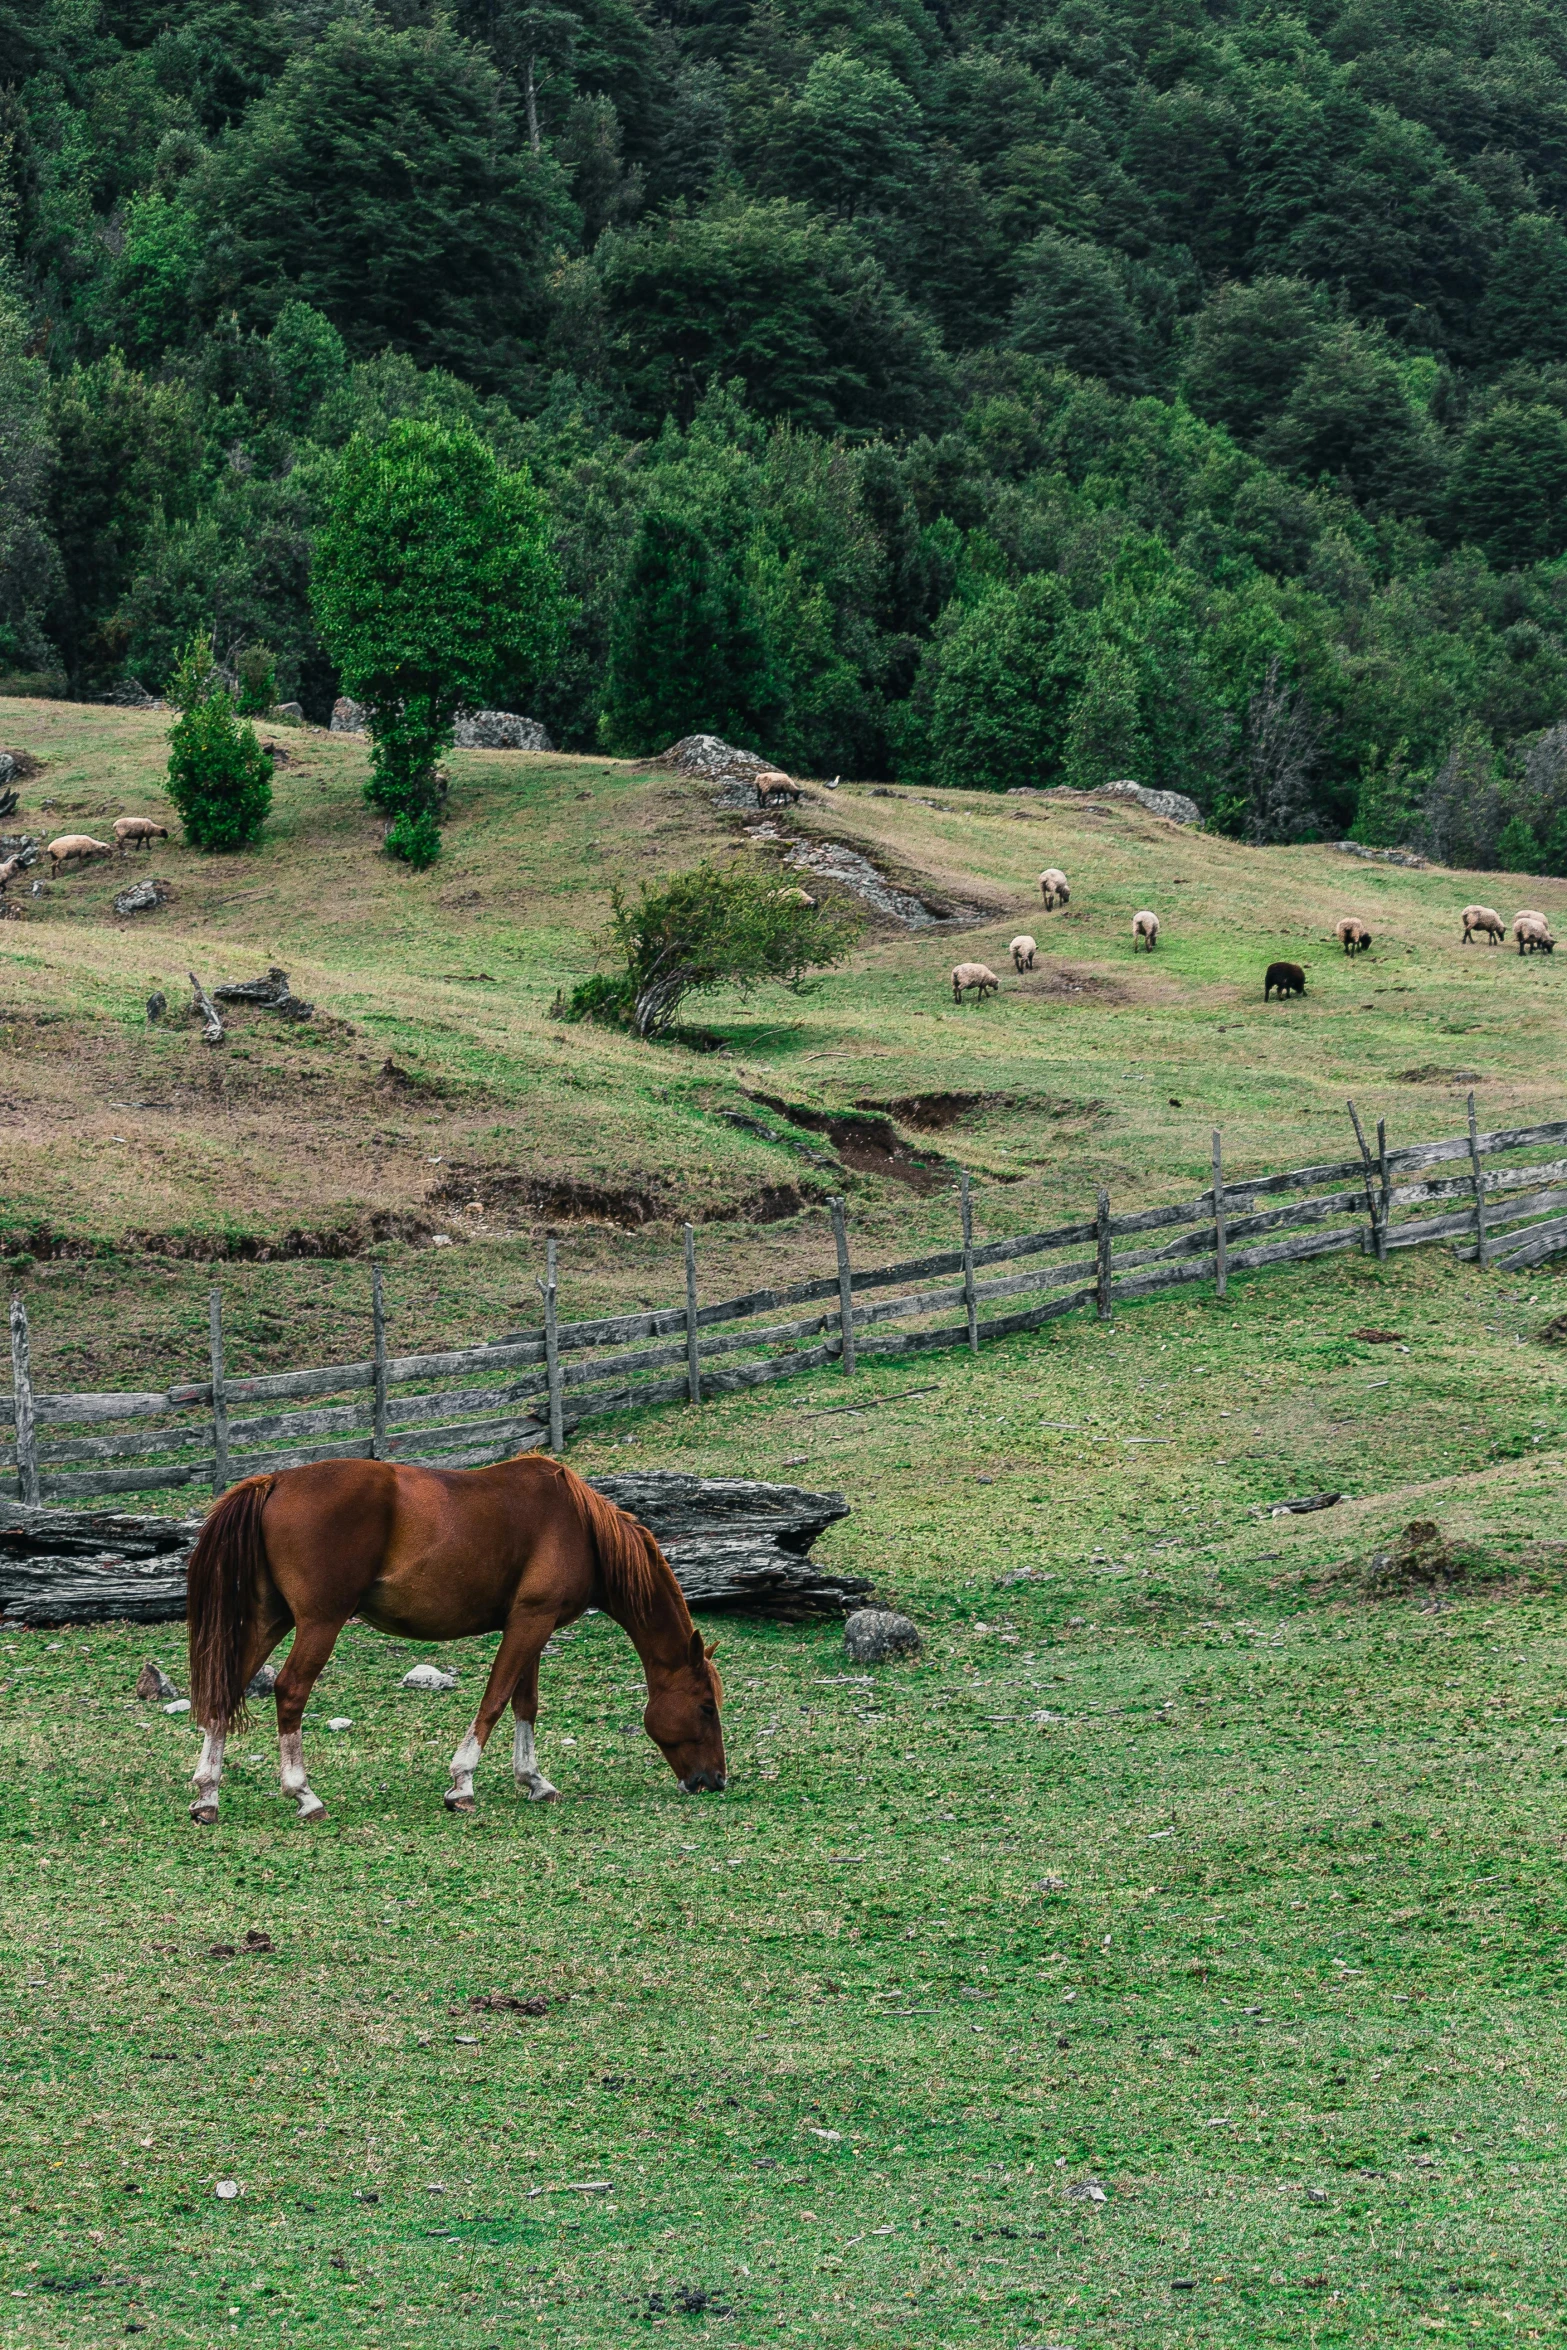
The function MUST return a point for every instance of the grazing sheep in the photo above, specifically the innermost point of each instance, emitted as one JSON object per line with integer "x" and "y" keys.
{"x": 1288, "y": 978}
{"x": 12, "y": 867}
{"x": 1352, "y": 935}
{"x": 1053, "y": 888}
{"x": 132, "y": 832}
{"x": 72, "y": 845}
{"x": 1533, "y": 932}
{"x": 978, "y": 976}
{"x": 773, "y": 787}
{"x": 1145, "y": 926}
{"x": 796, "y": 897}
{"x": 1476, "y": 918}
{"x": 1023, "y": 950}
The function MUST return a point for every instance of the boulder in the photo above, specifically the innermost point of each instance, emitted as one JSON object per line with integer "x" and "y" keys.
{"x": 500, "y": 730}
{"x": 143, "y": 897}
{"x": 273, "y": 991}
{"x": 262, "y": 1681}
{"x": 7, "y": 769}
{"x": 428, "y": 1676}
{"x": 349, "y": 717}
{"x": 293, "y": 712}
{"x": 1174, "y": 806}
{"x": 129, "y": 694}
{"x": 714, "y": 760}
{"x": 873, "y": 1635}
{"x": 152, "y": 1682}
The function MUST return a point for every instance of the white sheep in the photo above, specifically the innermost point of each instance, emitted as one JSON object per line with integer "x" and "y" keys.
{"x": 137, "y": 832}
{"x": 1478, "y": 918}
{"x": 1145, "y": 926}
{"x": 978, "y": 976}
{"x": 1023, "y": 950}
{"x": 1352, "y": 935}
{"x": 1053, "y": 888}
{"x": 1533, "y": 933}
{"x": 72, "y": 845}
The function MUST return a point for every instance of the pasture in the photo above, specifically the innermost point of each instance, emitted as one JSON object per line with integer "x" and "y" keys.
{"x": 1170, "y": 1957}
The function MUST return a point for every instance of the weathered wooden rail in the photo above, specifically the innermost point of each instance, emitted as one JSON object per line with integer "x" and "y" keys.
{"x": 1494, "y": 1198}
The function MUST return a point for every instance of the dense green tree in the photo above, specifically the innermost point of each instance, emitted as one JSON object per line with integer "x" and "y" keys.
{"x": 992, "y": 705}
{"x": 850, "y": 143}
{"x": 1249, "y": 347}
{"x": 799, "y": 311}
{"x": 689, "y": 653}
{"x": 1524, "y": 314}
{"x": 384, "y": 180}
{"x": 30, "y": 578}
{"x": 220, "y": 778}
{"x": 1073, "y": 309}
{"x": 434, "y": 588}
{"x": 1509, "y": 486}
{"x": 1350, "y": 418}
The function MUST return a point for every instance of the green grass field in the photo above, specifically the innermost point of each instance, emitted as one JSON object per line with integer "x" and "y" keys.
{"x": 1183, "y": 1867}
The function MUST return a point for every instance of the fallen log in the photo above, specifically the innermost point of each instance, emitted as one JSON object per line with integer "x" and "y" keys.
{"x": 733, "y": 1542}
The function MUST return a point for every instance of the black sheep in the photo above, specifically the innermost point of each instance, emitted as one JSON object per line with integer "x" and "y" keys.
{"x": 1288, "y": 978}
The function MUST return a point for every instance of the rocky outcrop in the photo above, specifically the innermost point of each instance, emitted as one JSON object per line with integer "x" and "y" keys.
{"x": 710, "y": 758}
{"x": 500, "y": 730}
{"x": 349, "y": 717}
{"x": 143, "y": 897}
{"x": 1174, "y": 806}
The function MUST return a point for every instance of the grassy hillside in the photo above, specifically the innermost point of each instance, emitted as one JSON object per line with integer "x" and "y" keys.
{"x": 434, "y": 1078}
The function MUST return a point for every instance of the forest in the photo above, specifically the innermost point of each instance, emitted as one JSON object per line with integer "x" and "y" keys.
{"x": 979, "y": 395}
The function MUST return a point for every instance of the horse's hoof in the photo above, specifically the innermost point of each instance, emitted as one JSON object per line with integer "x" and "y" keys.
{"x": 310, "y": 1812}
{"x": 204, "y": 1814}
{"x": 538, "y": 1790}
{"x": 459, "y": 1802}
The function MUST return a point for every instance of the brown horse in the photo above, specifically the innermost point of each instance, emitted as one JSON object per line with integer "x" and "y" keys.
{"x": 436, "y": 1554}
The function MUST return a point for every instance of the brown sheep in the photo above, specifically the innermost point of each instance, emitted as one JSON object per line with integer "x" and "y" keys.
{"x": 72, "y": 845}
{"x": 1288, "y": 978}
{"x": 1053, "y": 888}
{"x": 1352, "y": 935}
{"x": 1023, "y": 950}
{"x": 773, "y": 787}
{"x": 1533, "y": 933}
{"x": 1145, "y": 926}
{"x": 975, "y": 975}
{"x": 132, "y": 832}
{"x": 1483, "y": 918}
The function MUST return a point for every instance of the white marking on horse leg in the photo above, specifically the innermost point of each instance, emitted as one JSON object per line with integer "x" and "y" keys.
{"x": 208, "y": 1773}
{"x": 525, "y": 1767}
{"x": 291, "y": 1761}
{"x": 459, "y": 1795}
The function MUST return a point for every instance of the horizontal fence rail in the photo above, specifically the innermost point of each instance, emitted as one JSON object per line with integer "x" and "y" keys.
{"x": 465, "y": 1406}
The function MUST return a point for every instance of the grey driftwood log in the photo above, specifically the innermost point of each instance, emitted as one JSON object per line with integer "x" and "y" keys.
{"x": 733, "y": 1543}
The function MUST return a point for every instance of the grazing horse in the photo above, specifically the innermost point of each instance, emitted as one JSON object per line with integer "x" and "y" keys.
{"x": 436, "y": 1554}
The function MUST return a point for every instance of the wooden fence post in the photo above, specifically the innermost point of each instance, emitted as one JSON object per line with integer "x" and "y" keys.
{"x": 840, "y": 1233}
{"x": 220, "y": 1401}
{"x": 1385, "y": 1217}
{"x": 27, "y": 1486}
{"x": 1102, "y": 1224}
{"x": 1370, "y": 1246}
{"x": 547, "y": 1288}
{"x": 693, "y": 1366}
{"x": 970, "y": 1303}
{"x": 378, "y": 1386}
{"x": 1478, "y": 1172}
{"x": 1221, "y": 1245}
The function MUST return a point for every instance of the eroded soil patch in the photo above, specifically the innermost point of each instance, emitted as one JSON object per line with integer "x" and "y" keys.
{"x": 870, "y": 1145}
{"x": 497, "y": 1193}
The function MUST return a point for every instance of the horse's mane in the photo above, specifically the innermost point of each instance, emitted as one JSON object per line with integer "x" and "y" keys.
{"x": 635, "y": 1570}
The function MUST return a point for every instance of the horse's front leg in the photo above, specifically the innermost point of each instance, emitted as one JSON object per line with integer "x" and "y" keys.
{"x": 516, "y": 1664}
{"x": 524, "y": 1762}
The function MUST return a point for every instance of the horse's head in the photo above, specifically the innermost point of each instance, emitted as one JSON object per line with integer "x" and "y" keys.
{"x": 682, "y": 1719}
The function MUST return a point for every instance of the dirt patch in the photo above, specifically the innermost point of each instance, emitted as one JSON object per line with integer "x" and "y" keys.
{"x": 24, "y": 764}
{"x": 1429, "y": 1074}
{"x": 1553, "y": 1332}
{"x": 933, "y": 1113}
{"x": 348, "y": 1238}
{"x": 1074, "y": 979}
{"x": 870, "y": 1145}
{"x": 501, "y": 1192}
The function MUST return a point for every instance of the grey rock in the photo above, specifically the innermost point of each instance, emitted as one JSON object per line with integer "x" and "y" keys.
{"x": 273, "y": 991}
{"x": 349, "y": 717}
{"x": 500, "y": 730}
{"x": 1174, "y": 806}
{"x": 428, "y": 1676}
{"x": 1353, "y": 848}
{"x": 262, "y": 1681}
{"x": 129, "y": 694}
{"x": 153, "y": 1683}
{"x": 872, "y": 1635}
{"x": 143, "y": 897}
{"x": 7, "y": 769}
{"x": 714, "y": 760}
{"x": 294, "y": 711}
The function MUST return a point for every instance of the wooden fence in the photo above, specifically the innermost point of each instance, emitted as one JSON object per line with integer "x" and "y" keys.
{"x": 1482, "y": 1192}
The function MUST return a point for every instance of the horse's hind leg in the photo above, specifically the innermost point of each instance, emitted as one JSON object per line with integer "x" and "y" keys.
{"x": 313, "y": 1644}
{"x": 206, "y": 1778}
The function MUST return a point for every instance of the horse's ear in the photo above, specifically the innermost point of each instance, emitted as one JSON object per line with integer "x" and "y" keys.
{"x": 712, "y": 1649}
{"x": 697, "y": 1655}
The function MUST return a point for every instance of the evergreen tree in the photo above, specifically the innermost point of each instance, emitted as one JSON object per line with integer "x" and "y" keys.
{"x": 1350, "y": 418}
{"x": 1250, "y": 345}
{"x": 688, "y": 654}
{"x": 220, "y": 778}
{"x": 1509, "y": 488}
{"x": 1073, "y": 309}
{"x": 1524, "y": 314}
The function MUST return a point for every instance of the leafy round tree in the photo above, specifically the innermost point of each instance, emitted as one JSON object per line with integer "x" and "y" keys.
{"x": 220, "y": 778}
{"x": 435, "y": 590}
{"x": 1509, "y": 486}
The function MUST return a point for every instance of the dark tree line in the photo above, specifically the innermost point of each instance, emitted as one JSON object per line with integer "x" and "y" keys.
{"x": 994, "y": 395}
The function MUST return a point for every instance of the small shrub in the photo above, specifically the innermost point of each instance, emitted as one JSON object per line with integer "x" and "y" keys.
{"x": 713, "y": 927}
{"x": 220, "y": 779}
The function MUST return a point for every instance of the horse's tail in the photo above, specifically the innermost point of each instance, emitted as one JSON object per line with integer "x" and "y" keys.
{"x": 227, "y": 1568}
{"x": 634, "y": 1569}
